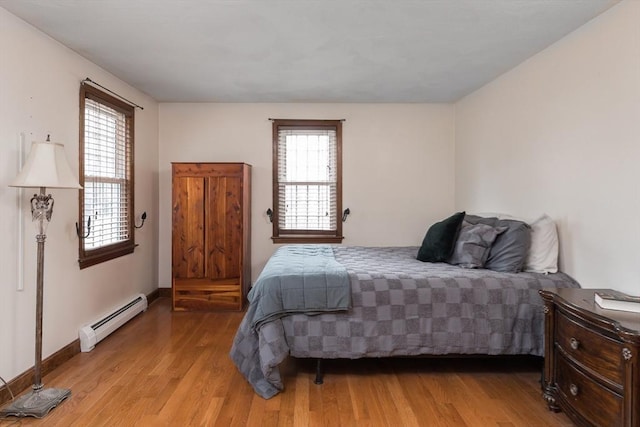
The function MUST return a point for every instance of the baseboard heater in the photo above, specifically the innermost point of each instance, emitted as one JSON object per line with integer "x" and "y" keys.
{"x": 92, "y": 334}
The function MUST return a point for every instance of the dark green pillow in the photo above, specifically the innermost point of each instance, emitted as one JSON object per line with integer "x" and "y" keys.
{"x": 440, "y": 239}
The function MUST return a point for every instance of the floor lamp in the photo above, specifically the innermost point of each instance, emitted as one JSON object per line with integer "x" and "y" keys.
{"x": 46, "y": 166}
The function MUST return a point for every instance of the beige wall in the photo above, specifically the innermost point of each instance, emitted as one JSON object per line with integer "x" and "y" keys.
{"x": 39, "y": 87}
{"x": 397, "y": 163}
{"x": 561, "y": 134}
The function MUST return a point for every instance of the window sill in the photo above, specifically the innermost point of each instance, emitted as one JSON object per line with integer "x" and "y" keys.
{"x": 307, "y": 239}
{"x": 98, "y": 256}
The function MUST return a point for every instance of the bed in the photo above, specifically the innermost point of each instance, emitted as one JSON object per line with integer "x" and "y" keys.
{"x": 393, "y": 305}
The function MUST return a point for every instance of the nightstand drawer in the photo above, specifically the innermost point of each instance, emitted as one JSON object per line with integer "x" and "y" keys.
{"x": 591, "y": 361}
{"x": 595, "y": 351}
{"x": 599, "y": 405}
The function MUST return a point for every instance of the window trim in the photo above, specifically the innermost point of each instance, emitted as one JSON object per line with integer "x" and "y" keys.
{"x": 306, "y": 236}
{"x": 89, "y": 257}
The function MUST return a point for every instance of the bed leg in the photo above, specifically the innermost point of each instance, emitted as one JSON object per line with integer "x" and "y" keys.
{"x": 319, "y": 372}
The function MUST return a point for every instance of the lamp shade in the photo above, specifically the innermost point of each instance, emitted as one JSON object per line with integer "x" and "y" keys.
{"x": 46, "y": 166}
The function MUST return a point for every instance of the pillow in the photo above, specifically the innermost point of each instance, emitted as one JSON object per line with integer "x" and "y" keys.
{"x": 497, "y": 215}
{"x": 438, "y": 243}
{"x": 543, "y": 252}
{"x": 509, "y": 251}
{"x": 474, "y": 242}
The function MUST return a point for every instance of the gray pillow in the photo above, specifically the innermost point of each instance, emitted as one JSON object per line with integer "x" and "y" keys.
{"x": 509, "y": 251}
{"x": 473, "y": 245}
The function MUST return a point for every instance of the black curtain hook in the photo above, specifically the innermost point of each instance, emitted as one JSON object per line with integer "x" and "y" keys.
{"x": 345, "y": 214}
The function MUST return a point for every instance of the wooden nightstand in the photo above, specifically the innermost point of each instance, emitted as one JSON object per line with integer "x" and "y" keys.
{"x": 592, "y": 366}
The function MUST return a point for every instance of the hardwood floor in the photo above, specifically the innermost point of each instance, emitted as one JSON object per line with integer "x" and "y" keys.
{"x": 172, "y": 369}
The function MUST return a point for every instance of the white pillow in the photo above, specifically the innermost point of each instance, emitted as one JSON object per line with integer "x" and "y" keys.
{"x": 494, "y": 215}
{"x": 543, "y": 252}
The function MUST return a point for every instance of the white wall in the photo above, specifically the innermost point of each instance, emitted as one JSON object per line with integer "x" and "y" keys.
{"x": 561, "y": 134}
{"x": 39, "y": 94}
{"x": 397, "y": 165}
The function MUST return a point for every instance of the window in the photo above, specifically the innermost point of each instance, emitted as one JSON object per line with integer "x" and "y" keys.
{"x": 106, "y": 175}
{"x": 307, "y": 181}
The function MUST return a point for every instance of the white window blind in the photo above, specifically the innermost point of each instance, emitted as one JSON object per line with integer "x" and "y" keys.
{"x": 307, "y": 179}
{"x": 107, "y": 158}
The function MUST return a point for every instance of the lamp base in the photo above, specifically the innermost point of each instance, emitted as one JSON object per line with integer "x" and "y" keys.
{"x": 36, "y": 404}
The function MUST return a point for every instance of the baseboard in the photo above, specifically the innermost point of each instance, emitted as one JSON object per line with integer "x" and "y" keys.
{"x": 152, "y": 296}
{"x": 25, "y": 380}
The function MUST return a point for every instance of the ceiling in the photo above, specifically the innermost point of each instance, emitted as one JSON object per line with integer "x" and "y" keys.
{"x": 307, "y": 50}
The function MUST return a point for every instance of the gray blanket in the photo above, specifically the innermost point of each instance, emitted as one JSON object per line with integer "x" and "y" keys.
{"x": 299, "y": 279}
{"x": 401, "y": 306}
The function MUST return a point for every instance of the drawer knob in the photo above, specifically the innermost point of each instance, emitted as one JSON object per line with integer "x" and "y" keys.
{"x": 573, "y": 389}
{"x": 574, "y": 343}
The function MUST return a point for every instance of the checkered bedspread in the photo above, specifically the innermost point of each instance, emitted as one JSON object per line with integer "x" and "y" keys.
{"x": 401, "y": 306}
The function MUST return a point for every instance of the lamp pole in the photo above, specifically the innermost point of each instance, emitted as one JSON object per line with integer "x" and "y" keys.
{"x": 46, "y": 204}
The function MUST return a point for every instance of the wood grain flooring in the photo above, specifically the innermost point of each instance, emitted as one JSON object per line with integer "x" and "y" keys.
{"x": 172, "y": 369}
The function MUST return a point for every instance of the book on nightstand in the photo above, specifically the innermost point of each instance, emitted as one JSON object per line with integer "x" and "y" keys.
{"x": 615, "y": 300}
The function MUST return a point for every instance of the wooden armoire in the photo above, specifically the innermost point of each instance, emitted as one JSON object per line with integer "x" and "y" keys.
{"x": 211, "y": 235}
